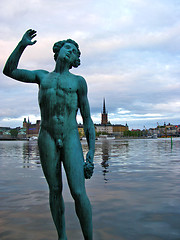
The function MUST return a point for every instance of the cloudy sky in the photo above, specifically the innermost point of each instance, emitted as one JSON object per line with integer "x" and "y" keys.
{"x": 130, "y": 56}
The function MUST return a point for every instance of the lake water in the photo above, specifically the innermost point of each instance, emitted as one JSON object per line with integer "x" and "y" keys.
{"x": 134, "y": 192}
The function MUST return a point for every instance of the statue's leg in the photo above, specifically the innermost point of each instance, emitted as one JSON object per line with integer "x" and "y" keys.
{"x": 51, "y": 165}
{"x": 73, "y": 164}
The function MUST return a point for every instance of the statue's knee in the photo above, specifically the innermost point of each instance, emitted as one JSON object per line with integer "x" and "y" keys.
{"x": 56, "y": 190}
{"x": 77, "y": 195}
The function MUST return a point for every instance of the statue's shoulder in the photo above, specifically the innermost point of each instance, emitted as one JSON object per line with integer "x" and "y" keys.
{"x": 81, "y": 84}
{"x": 41, "y": 74}
{"x": 81, "y": 81}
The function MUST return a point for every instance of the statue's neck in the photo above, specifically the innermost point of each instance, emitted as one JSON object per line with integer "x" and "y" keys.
{"x": 61, "y": 67}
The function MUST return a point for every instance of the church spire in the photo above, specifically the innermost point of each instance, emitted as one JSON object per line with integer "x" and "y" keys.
{"x": 104, "y": 106}
{"x": 104, "y": 116}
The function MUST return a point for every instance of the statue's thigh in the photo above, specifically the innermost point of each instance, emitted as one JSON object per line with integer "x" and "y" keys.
{"x": 50, "y": 159}
{"x": 73, "y": 162}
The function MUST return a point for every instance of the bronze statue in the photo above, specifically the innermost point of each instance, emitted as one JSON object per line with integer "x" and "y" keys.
{"x": 61, "y": 93}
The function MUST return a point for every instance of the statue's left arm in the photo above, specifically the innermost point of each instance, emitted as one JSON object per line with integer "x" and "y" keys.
{"x": 87, "y": 121}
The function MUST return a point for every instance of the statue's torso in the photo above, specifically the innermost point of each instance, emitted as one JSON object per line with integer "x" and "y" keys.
{"x": 58, "y": 101}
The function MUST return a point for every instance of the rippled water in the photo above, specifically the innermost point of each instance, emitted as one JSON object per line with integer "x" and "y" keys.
{"x": 134, "y": 192}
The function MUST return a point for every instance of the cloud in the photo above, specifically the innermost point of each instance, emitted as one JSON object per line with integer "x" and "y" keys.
{"x": 130, "y": 55}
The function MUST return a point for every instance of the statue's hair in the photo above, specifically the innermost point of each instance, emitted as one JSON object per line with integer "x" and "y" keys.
{"x": 58, "y": 45}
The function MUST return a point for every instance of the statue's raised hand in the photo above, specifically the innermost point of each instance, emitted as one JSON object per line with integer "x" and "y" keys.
{"x": 28, "y": 36}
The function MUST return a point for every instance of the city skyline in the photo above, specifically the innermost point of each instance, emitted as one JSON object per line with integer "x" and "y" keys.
{"x": 103, "y": 121}
{"x": 130, "y": 56}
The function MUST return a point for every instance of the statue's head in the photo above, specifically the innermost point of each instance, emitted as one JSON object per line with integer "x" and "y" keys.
{"x": 58, "y": 45}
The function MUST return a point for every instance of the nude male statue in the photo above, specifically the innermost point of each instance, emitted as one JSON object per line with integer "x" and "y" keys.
{"x": 61, "y": 93}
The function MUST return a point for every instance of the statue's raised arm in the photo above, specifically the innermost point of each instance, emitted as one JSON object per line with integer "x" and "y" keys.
{"x": 11, "y": 65}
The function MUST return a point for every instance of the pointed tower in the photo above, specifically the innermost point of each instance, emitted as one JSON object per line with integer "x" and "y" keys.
{"x": 104, "y": 115}
{"x": 24, "y": 123}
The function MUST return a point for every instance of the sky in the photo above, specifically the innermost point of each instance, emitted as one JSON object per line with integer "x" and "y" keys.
{"x": 130, "y": 55}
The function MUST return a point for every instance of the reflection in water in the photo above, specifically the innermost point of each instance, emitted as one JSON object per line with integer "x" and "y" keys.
{"x": 31, "y": 154}
{"x": 110, "y": 157}
{"x": 105, "y": 158}
{"x": 134, "y": 192}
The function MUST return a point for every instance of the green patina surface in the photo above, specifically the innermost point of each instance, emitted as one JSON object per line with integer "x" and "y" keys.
{"x": 61, "y": 93}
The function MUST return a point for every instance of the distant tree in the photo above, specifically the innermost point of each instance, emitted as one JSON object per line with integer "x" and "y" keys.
{"x": 127, "y": 133}
{"x": 137, "y": 133}
{"x": 14, "y": 132}
{"x": 104, "y": 133}
{"x": 97, "y": 133}
{"x": 81, "y": 134}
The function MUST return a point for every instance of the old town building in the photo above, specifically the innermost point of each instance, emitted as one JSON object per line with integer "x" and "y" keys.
{"x": 106, "y": 127}
{"x": 32, "y": 130}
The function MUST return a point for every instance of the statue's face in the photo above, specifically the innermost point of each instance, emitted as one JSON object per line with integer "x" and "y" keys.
{"x": 68, "y": 52}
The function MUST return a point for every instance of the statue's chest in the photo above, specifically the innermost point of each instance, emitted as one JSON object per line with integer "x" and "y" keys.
{"x": 58, "y": 90}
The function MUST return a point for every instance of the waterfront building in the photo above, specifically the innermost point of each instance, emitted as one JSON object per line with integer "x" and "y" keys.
{"x": 81, "y": 130}
{"x": 32, "y": 130}
{"x": 5, "y": 133}
{"x": 169, "y": 130}
{"x": 21, "y": 133}
{"x": 119, "y": 129}
{"x": 107, "y": 128}
{"x": 104, "y": 128}
{"x": 172, "y": 130}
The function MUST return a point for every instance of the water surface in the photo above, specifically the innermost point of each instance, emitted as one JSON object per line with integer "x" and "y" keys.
{"x": 134, "y": 192}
